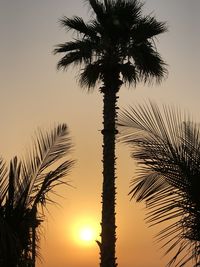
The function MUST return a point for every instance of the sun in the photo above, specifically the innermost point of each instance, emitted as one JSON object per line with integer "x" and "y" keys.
{"x": 87, "y": 234}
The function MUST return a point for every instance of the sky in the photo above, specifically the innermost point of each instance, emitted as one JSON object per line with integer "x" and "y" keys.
{"x": 35, "y": 95}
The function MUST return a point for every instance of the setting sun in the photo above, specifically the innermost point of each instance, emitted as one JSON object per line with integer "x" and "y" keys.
{"x": 85, "y": 231}
{"x": 87, "y": 234}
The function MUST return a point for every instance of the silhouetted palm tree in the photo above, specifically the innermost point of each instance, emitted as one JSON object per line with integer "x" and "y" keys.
{"x": 24, "y": 192}
{"x": 115, "y": 47}
{"x": 166, "y": 146}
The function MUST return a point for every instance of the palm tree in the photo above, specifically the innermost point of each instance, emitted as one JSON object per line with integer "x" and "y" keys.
{"x": 166, "y": 145}
{"x": 24, "y": 192}
{"x": 115, "y": 47}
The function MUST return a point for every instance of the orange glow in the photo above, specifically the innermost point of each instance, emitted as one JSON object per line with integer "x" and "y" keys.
{"x": 85, "y": 232}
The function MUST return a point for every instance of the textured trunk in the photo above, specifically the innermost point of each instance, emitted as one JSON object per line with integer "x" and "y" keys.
{"x": 108, "y": 233}
{"x": 35, "y": 224}
{"x": 33, "y": 245}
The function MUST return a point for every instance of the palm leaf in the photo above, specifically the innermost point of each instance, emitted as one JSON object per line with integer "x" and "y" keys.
{"x": 148, "y": 62}
{"x": 3, "y": 181}
{"x": 52, "y": 179}
{"x": 147, "y": 28}
{"x": 76, "y": 23}
{"x": 166, "y": 145}
{"x": 84, "y": 46}
{"x": 77, "y": 52}
{"x": 99, "y": 10}
{"x": 75, "y": 58}
{"x": 90, "y": 75}
{"x": 128, "y": 13}
{"x": 47, "y": 150}
{"x": 129, "y": 73}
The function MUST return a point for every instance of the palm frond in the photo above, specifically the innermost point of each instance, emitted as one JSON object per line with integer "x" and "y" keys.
{"x": 166, "y": 146}
{"x": 3, "y": 181}
{"x": 47, "y": 150}
{"x": 76, "y": 52}
{"x": 13, "y": 180}
{"x": 84, "y": 45}
{"x": 148, "y": 63}
{"x": 99, "y": 10}
{"x": 75, "y": 58}
{"x": 147, "y": 185}
{"x": 90, "y": 75}
{"x": 128, "y": 72}
{"x": 128, "y": 12}
{"x": 146, "y": 28}
{"x": 78, "y": 25}
{"x": 52, "y": 179}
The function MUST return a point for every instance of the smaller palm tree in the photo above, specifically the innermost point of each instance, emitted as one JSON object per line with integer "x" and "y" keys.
{"x": 166, "y": 145}
{"x": 24, "y": 192}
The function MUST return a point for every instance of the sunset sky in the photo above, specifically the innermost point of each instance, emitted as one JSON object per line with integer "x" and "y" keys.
{"x": 34, "y": 94}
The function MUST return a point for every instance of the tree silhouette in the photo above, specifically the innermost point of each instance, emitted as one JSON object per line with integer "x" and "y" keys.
{"x": 115, "y": 47}
{"x": 166, "y": 145}
{"x": 24, "y": 192}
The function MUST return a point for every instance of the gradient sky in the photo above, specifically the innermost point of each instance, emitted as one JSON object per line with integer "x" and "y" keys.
{"x": 34, "y": 94}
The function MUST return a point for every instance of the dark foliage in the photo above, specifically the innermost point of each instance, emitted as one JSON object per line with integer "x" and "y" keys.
{"x": 166, "y": 146}
{"x": 24, "y": 192}
{"x": 117, "y": 35}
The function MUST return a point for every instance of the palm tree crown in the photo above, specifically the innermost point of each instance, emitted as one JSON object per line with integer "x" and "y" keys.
{"x": 117, "y": 38}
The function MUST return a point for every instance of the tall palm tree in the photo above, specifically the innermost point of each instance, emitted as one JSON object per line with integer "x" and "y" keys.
{"x": 166, "y": 144}
{"x": 24, "y": 192}
{"x": 115, "y": 47}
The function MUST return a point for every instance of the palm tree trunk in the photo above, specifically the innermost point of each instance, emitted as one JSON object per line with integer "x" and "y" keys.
{"x": 33, "y": 245}
{"x": 108, "y": 232}
{"x": 34, "y": 226}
